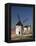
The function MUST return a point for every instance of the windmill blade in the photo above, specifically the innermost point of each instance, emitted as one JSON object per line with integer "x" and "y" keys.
{"x": 25, "y": 20}
{"x": 18, "y": 17}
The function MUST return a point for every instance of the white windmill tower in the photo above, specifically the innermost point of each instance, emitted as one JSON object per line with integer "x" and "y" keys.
{"x": 29, "y": 28}
{"x": 19, "y": 26}
{"x": 25, "y": 27}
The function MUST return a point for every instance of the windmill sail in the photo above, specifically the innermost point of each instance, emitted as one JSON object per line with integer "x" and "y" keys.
{"x": 19, "y": 21}
{"x": 18, "y": 17}
{"x": 25, "y": 20}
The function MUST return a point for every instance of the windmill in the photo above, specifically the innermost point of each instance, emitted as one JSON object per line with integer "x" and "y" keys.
{"x": 26, "y": 28}
{"x": 19, "y": 26}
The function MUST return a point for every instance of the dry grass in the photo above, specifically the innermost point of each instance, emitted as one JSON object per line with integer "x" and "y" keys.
{"x": 27, "y": 35}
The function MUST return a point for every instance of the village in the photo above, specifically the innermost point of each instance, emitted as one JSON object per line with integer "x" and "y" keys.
{"x": 22, "y": 31}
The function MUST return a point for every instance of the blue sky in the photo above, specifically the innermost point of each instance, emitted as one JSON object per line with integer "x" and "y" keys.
{"x": 24, "y": 12}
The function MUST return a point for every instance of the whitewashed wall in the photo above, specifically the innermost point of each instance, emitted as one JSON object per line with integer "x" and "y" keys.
{"x": 18, "y": 29}
{"x": 25, "y": 29}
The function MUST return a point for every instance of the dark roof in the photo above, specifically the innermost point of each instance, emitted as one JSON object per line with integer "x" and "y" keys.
{"x": 19, "y": 23}
{"x": 25, "y": 26}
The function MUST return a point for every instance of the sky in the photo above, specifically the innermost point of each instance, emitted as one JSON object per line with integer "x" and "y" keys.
{"x": 23, "y": 12}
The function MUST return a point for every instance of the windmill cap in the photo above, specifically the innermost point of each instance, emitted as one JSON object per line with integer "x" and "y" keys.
{"x": 25, "y": 26}
{"x": 19, "y": 23}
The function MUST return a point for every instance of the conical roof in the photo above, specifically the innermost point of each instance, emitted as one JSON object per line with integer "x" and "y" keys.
{"x": 26, "y": 26}
{"x": 19, "y": 23}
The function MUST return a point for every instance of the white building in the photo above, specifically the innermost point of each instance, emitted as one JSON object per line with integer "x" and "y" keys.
{"x": 25, "y": 29}
{"x": 29, "y": 28}
{"x": 19, "y": 28}
{"x": 22, "y": 30}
